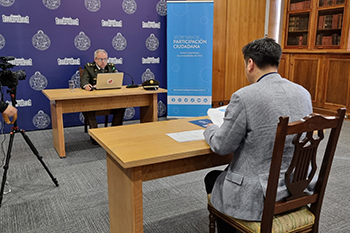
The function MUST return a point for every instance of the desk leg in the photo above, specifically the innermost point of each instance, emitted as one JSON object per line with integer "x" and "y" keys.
{"x": 125, "y": 198}
{"x": 150, "y": 113}
{"x": 57, "y": 129}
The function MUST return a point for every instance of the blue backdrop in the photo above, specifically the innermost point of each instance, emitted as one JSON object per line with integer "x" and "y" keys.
{"x": 50, "y": 39}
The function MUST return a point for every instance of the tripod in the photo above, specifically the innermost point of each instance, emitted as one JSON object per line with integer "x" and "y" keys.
{"x": 15, "y": 130}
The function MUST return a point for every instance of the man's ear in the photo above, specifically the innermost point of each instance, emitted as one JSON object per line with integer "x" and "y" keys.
{"x": 250, "y": 65}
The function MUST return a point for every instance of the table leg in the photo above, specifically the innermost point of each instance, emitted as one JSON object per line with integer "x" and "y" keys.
{"x": 57, "y": 129}
{"x": 150, "y": 113}
{"x": 125, "y": 198}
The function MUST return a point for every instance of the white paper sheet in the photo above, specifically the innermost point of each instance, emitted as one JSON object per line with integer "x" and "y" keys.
{"x": 216, "y": 115}
{"x": 187, "y": 136}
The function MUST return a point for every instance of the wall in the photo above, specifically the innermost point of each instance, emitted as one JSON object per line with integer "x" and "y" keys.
{"x": 51, "y": 39}
{"x": 236, "y": 23}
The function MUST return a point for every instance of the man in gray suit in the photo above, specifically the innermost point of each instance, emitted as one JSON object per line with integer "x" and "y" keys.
{"x": 249, "y": 130}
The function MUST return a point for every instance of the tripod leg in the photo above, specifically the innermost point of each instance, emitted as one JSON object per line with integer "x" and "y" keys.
{"x": 30, "y": 144}
{"x": 6, "y": 166}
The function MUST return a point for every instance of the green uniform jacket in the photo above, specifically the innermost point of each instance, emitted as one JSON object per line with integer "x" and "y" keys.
{"x": 91, "y": 71}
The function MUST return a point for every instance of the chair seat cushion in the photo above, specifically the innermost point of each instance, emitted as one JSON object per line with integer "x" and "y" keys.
{"x": 290, "y": 221}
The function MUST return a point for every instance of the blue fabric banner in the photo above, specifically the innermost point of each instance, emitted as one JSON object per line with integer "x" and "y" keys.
{"x": 189, "y": 53}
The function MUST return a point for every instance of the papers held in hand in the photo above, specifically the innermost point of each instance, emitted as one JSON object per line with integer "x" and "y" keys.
{"x": 216, "y": 115}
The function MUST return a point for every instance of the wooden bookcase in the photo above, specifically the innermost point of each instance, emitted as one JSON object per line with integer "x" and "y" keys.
{"x": 316, "y": 51}
{"x": 316, "y": 24}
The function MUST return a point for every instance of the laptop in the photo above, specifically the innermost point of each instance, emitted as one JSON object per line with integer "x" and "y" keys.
{"x": 109, "y": 81}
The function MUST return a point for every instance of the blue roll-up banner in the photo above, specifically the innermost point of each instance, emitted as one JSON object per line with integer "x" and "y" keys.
{"x": 189, "y": 55}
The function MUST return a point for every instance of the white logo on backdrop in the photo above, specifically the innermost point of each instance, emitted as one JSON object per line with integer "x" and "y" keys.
{"x": 67, "y": 21}
{"x": 129, "y": 113}
{"x": 162, "y": 8}
{"x": 2, "y": 41}
{"x": 76, "y": 78}
{"x": 6, "y": 3}
{"x": 22, "y": 62}
{"x": 112, "y": 23}
{"x": 41, "y": 120}
{"x": 150, "y": 24}
{"x": 15, "y": 19}
{"x": 161, "y": 108}
{"x": 52, "y": 4}
{"x": 82, "y": 42}
{"x": 152, "y": 43}
{"x": 68, "y": 61}
{"x": 147, "y": 75}
{"x": 119, "y": 42}
{"x": 151, "y": 60}
{"x": 93, "y": 5}
{"x": 21, "y": 103}
{"x": 41, "y": 41}
{"x": 129, "y": 6}
{"x": 115, "y": 60}
{"x": 38, "y": 81}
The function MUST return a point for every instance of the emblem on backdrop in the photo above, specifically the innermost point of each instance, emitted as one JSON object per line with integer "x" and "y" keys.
{"x": 129, "y": 113}
{"x": 147, "y": 75}
{"x": 41, "y": 41}
{"x": 152, "y": 43}
{"x": 93, "y": 5}
{"x": 129, "y": 6}
{"x": 38, "y": 81}
{"x": 76, "y": 78}
{"x": 41, "y": 120}
{"x": 162, "y": 8}
{"x": 161, "y": 108}
{"x": 119, "y": 42}
{"x": 81, "y": 118}
{"x": 52, "y": 4}
{"x": 82, "y": 42}
{"x": 7, "y": 3}
{"x": 2, "y": 41}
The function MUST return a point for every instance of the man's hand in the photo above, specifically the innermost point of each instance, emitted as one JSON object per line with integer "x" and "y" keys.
{"x": 88, "y": 87}
{"x": 209, "y": 125}
{"x": 10, "y": 111}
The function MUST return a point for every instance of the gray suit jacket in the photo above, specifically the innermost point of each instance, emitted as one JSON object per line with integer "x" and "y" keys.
{"x": 248, "y": 131}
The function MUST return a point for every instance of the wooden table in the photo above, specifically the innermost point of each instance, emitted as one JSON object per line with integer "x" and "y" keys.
{"x": 141, "y": 152}
{"x": 65, "y": 101}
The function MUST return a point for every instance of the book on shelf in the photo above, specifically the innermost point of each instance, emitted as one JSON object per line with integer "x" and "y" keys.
{"x": 335, "y": 21}
{"x": 300, "y": 6}
{"x": 333, "y": 39}
{"x": 330, "y": 2}
{"x": 298, "y": 24}
{"x": 330, "y": 21}
{"x": 321, "y": 22}
{"x": 340, "y": 20}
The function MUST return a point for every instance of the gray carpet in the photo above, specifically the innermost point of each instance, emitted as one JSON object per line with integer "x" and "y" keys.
{"x": 174, "y": 204}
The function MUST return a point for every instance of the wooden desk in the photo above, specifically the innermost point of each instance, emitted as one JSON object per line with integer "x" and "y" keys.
{"x": 65, "y": 101}
{"x": 141, "y": 152}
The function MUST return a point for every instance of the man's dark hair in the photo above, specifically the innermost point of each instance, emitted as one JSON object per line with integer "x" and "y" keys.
{"x": 264, "y": 52}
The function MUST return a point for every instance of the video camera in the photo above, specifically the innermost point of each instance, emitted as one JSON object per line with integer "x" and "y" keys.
{"x": 7, "y": 77}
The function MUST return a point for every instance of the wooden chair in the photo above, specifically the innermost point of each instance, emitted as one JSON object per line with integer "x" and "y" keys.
{"x": 305, "y": 209}
{"x": 98, "y": 113}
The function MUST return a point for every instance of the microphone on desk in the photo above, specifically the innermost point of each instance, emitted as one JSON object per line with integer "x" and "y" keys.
{"x": 132, "y": 85}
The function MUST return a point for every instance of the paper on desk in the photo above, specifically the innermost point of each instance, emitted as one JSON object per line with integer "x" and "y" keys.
{"x": 187, "y": 136}
{"x": 216, "y": 115}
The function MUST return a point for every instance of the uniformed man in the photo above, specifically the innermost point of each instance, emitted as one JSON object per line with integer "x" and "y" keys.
{"x": 88, "y": 82}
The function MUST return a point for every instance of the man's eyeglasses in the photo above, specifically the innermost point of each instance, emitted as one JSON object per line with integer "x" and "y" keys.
{"x": 102, "y": 59}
